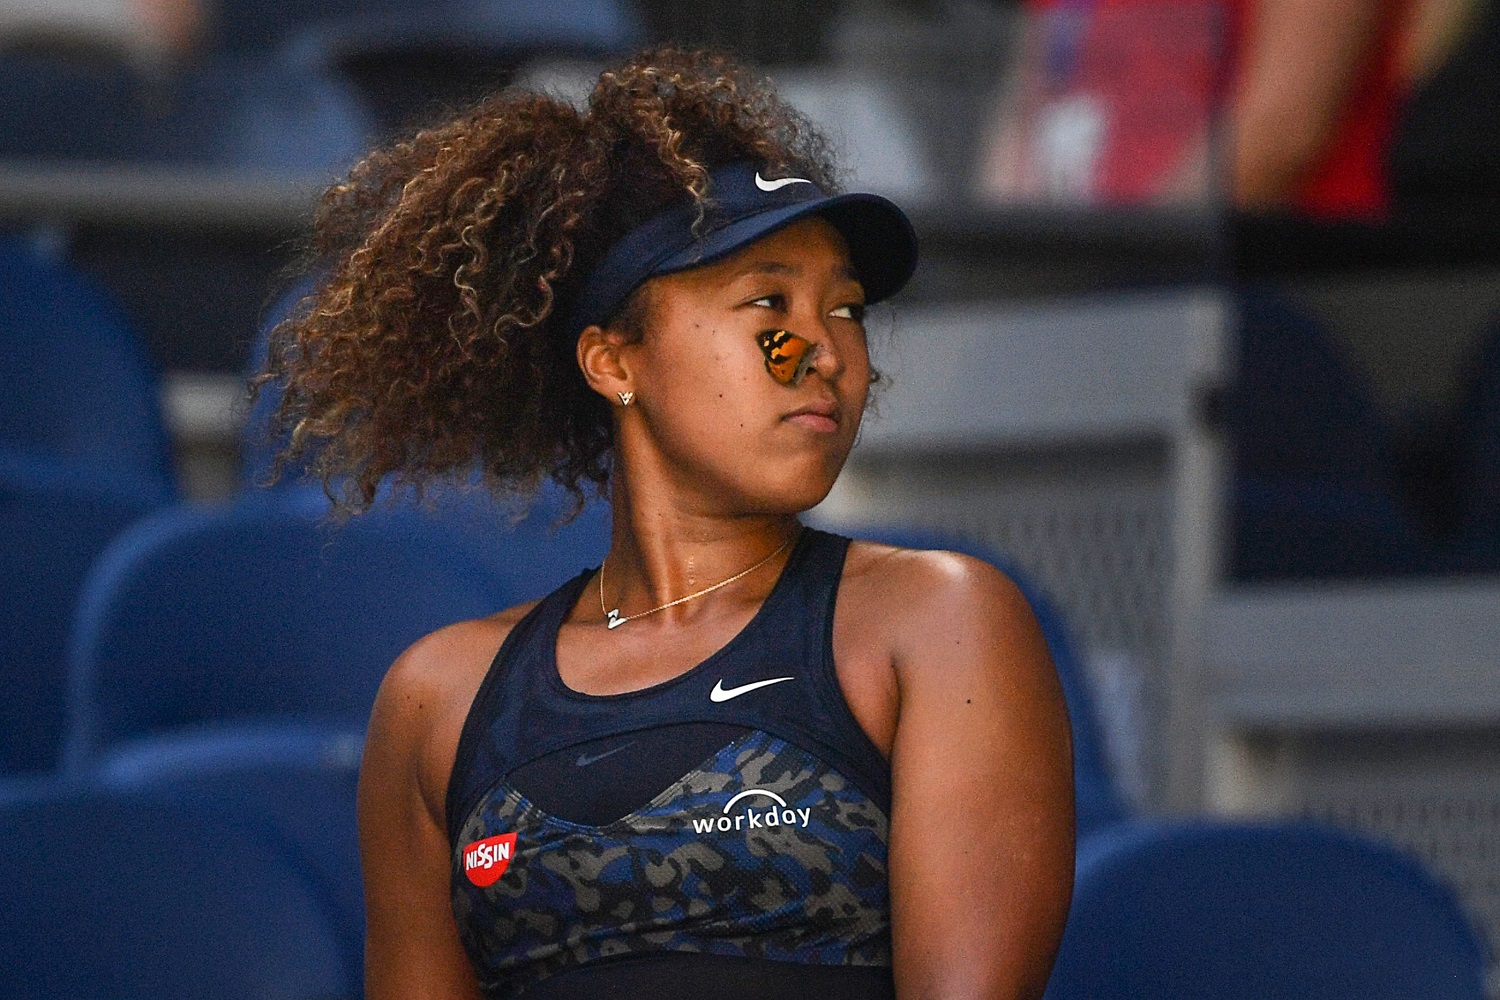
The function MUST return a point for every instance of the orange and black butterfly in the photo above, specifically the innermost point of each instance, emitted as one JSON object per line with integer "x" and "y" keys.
{"x": 788, "y": 356}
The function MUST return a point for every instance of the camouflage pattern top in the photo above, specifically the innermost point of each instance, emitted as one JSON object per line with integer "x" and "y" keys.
{"x": 770, "y": 851}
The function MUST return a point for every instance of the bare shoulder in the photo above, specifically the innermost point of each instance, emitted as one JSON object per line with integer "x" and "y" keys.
{"x": 915, "y": 589}
{"x": 426, "y": 695}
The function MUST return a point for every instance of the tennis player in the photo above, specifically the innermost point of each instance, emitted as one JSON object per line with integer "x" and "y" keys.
{"x": 742, "y": 758}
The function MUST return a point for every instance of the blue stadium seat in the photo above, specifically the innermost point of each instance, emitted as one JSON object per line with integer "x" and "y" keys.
{"x": 1291, "y": 528}
{"x": 420, "y": 61}
{"x": 256, "y": 613}
{"x": 69, "y": 109}
{"x": 514, "y": 29}
{"x": 260, "y": 27}
{"x": 278, "y": 117}
{"x": 1476, "y": 549}
{"x": 58, "y": 518}
{"x": 296, "y": 785}
{"x": 1099, "y": 803}
{"x": 1185, "y": 911}
{"x": 229, "y": 112}
{"x": 1316, "y": 468}
{"x": 133, "y": 898}
{"x": 77, "y": 383}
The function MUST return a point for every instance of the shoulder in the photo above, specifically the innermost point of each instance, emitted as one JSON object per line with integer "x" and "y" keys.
{"x": 917, "y": 589}
{"x": 425, "y": 698}
{"x": 945, "y": 617}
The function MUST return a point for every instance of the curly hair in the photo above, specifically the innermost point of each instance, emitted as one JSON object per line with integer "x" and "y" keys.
{"x": 433, "y": 349}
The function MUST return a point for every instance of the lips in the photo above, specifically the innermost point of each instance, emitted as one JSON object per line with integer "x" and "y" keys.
{"x": 822, "y": 416}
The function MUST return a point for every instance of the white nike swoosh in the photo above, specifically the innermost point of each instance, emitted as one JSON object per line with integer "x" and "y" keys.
{"x": 584, "y": 760}
{"x": 721, "y": 693}
{"x": 766, "y": 185}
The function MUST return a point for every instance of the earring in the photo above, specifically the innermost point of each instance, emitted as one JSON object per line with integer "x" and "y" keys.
{"x": 626, "y": 398}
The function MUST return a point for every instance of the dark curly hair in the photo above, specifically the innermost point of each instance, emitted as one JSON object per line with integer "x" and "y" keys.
{"x": 433, "y": 349}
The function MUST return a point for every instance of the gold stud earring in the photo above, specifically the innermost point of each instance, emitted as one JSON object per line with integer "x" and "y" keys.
{"x": 626, "y": 398}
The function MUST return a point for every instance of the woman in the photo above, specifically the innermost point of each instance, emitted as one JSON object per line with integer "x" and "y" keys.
{"x": 741, "y": 758}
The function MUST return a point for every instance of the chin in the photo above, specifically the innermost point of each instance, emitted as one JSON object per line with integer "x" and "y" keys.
{"x": 793, "y": 490}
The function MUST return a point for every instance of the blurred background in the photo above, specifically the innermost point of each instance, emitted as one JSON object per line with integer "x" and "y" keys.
{"x": 1204, "y": 347}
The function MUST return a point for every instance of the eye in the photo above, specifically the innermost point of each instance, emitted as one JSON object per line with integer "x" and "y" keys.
{"x": 852, "y": 310}
{"x": 769, "y": 301}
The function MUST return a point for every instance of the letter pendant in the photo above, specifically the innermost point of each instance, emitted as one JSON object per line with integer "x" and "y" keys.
{"x": 615, "y": 621}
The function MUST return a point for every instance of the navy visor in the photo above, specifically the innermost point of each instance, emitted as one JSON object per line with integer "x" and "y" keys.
{"x": 746, "y": 205}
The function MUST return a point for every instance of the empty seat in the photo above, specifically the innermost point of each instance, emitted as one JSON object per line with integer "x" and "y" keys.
{"x": 1317, "y": 491}
{"x": 253, "y": 614}
{"x": 297, "y": 787}
{"x": 232, "y": 112}
{"x": 77, "y": 383}
{"x": 417, "y": 62}
{"x": 58, "y": 518}
{"x": 133, "y": 898}
{"x": 1259, "y": 912}
{"x": 1477, "y": 545}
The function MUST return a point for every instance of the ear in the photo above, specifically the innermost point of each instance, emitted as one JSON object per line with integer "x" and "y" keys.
{"x": 602, "y": 359}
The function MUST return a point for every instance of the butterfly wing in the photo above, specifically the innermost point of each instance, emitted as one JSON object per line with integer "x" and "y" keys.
{"x": 788, "y": 356}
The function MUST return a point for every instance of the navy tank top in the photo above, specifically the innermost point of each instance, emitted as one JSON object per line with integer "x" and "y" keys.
{"x": 722, "y": 834}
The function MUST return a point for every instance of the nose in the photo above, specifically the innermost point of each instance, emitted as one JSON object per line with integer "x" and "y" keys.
{"x": 827, "y": 359}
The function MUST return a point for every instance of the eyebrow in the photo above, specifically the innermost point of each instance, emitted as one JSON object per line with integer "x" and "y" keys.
{"x": 781, "y": 267}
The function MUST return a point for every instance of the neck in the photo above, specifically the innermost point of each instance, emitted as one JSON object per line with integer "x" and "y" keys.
{"x": 664, "y": 547}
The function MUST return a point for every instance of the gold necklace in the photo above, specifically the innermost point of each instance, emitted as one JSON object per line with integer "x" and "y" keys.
{"x": 616, "y": 619}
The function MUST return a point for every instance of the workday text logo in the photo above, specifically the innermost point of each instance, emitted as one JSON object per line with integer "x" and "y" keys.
{"x": 766, "y": 810}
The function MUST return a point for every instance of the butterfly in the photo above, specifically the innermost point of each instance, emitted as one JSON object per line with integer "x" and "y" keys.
{"x": 788, "y": 356}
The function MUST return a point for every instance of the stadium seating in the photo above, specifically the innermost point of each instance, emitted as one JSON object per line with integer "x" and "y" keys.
{"x": 422, "y": 59}
{"x": 297, "y": 788}
{"x": 78, "y": 384}
{"x": 1316, "y": 485}
{"x": 254, "y": 615}
{"x": 69, "y": 110}
{"x": 273, "y": 117}
{"x": 1476, "y": 547}
{"x": 58, "y": 517}
{"x": 130, "y": 897}
{"x": 1179, "y": 910}
{"x": 231, "y": 112}
{"x": 1099, "y": 803}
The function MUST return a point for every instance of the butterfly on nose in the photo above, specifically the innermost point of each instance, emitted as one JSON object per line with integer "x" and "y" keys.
{"x": 788, "y": 356}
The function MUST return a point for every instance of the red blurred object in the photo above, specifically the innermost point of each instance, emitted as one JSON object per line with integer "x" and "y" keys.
{"x": 1116, "y": 104}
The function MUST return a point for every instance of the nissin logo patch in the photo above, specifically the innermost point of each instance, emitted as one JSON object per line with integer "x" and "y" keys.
{"x": 486, "y": 860}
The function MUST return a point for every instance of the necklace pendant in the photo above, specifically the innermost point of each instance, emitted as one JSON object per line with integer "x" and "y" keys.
{"x": 615, "y": 621}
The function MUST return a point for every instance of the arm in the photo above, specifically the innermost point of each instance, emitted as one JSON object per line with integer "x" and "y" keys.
{"x": 411, "y": 941}
{"x": 981, "y": 849}
{"x": 1300, "y": 62}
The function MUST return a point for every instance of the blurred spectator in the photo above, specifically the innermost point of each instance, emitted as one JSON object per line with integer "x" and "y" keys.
{"x": 1108, "y": 102}
{"x": 145, "y": 29}
{"x": 1114, "y": 101}
{"x": 1315, "y": 90}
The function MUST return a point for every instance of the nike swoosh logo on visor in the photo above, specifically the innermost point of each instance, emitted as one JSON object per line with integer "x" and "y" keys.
{"x": 584, "y": 760}
{"x": 721, "y": 693}
{"x": 766, "y": 185}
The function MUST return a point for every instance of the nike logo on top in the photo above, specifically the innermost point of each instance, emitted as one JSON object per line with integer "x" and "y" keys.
{"x": 721, "y": 693}
{"x": 766, "y": 185}
{"x": 584, "y": 760}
